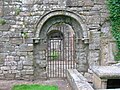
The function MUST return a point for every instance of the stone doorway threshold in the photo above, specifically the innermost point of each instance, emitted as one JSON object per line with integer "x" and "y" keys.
{"x": 62, "y": 84}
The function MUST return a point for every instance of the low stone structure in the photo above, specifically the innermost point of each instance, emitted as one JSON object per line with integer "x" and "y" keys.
{"x": 104, "y": 73}
{"x": 77, "y": 80}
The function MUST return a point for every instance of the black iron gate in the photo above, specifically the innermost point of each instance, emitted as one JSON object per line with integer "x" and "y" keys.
{"x": 60, "y": 52}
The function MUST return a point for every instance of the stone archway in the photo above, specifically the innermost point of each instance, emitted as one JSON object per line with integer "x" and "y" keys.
{"x": 76, "y": 22}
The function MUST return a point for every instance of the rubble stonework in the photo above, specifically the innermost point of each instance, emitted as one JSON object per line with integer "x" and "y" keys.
{"x": 20, "y": 44}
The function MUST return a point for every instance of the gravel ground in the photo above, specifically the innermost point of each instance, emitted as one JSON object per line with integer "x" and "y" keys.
{"x": 62, "y": 84}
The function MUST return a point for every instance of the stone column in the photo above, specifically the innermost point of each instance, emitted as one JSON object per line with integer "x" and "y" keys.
{"x": 81, "y": 56}
{"x": 94, "y": 48}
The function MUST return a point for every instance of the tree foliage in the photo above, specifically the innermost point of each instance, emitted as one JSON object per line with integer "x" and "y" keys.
{"x": 114, "y": 9}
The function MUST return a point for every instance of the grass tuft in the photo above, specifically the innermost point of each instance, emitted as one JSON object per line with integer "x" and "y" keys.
{"x": 34, "y": 87}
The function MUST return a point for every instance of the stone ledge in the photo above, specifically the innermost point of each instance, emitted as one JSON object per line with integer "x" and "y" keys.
{"x": 107, "y": 72}
{"x": 77, "y": 81}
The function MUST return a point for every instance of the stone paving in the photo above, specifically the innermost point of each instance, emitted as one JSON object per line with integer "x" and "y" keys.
{"x": 62, "y": 84}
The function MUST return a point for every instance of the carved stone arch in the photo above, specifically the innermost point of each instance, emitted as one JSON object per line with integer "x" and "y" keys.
{"x": 68, "y": 15}
{"x": 72, "y": 19}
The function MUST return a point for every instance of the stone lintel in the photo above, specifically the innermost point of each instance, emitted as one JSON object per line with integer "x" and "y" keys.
{"x": 107, "y": 72}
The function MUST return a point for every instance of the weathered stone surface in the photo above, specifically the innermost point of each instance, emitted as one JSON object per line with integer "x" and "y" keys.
{"x": 9, "y": 61}
{"x": 9, "y": 76}
{"x": 16, "y": 41}
{"x": 19, "y": 53}
{"x": 20, "y": 65}
{"x": 94, "y": 40}
{"x": 77, "y": 81}
{"x": 2, "y": 76}
{"x": 2, "y": 57}
{"x": 5, "y": 68}
{"x": 1, "y": 47}
{"x": 5, "y": 27}
{"x": 13, "y": 67}
{"x": 29, "y": 72}
{"x": 26, "y": 47}
{"x": 1, "y": 10}
{"x": 99, "y": 2}
{"x": 107, "y": 72}
{"x": 103, "y": 73}
{"x": 94, "y": 58}
{"x": 89, "y": 3}
{"x": 27, "y": 62}
{"x": 0, "y": 71}
{"x": 27, "y": 67}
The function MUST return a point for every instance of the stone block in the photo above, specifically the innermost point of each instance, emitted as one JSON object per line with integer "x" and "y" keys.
{"x": 22, "y": 53}
{"x": 42, "y": 63}
{"x": 2, "y": 76}
{"x": 99, "y": 2}
{"x": 5, "y": 72}
{"x": 14, "y": 34}
{"x": 1, "y": 33}
{"x": 9, "y": 47}
{"x": 27, "y": 67}
{"x": 27, "y": 62}
{"x": 9, "y": 76}
{"x": 14, "y": 71}
{"x": 1, "y": 47}
{"x": 9, "y": 58}
{"x": 17, "y": 58}
{"x": 28, "y": 77}
{"x": 5, "y": 68}
{"x": 1, "y": 10}
{"x": 76, "y": 3}
{"x": 94, "y": 40}
{"x": 94, "y": 57}
{"x": 0, "y": 71}
{"x": 16, "y": 41}
{"x": 88, "y": 3}
{"x": 26, "y": 47}
{"x": 10, "y": 63}
{"x": 29, "y": 41}
{"x": 82, "y": 68}
{"x": 13, "y": 67}
{"x": 2, "y": 57}
{"x": 5, "y": 27}
{"x": 20, "y": 65}
{"x": 23, "y": 72}
{"x": 29, "y": 72}
{"x": 18, "y": 74}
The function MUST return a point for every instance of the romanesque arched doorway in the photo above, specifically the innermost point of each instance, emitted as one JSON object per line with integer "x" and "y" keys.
{"x": 60, "y": 50}
{"x": 60, "y": 35}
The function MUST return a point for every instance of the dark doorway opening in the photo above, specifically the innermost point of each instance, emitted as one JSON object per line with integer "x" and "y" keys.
{"x": 113, "y": 83}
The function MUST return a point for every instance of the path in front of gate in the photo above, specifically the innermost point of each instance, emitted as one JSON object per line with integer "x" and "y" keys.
{"x": 62, "y": 84}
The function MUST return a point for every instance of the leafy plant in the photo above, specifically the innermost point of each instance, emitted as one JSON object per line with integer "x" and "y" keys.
{"x": 54, "y": 55}
{"x": 114, "y": 9}
{"x": 2, "y": 21}
{"x": 24, "y": 34}
{"x": 117, "y": 56}
{"x": 17, "y": 11}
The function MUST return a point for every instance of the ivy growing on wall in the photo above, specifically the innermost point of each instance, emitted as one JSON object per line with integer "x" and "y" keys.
{"x": 114, "y": 9}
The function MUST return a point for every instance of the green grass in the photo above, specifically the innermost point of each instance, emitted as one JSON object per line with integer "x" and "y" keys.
{"x": 34, "y": 87}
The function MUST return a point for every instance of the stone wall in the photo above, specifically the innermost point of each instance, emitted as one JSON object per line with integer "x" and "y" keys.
{"x": 16, "y": 36}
